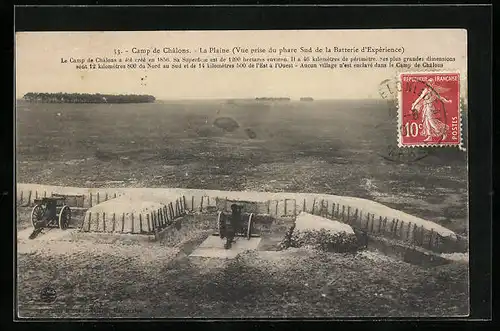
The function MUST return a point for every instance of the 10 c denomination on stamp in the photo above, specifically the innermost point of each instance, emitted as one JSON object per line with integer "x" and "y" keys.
{"x": 429, "y": 110}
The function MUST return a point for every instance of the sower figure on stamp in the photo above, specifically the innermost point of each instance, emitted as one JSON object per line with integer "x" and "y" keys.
{"x": 424, "y": 104}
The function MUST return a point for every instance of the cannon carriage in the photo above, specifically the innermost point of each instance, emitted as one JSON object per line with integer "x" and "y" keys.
{"x": 50, "y": 212}
{"x": 235, "y": 225}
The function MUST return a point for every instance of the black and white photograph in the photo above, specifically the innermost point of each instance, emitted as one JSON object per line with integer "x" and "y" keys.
{"x": 242, "y": 174}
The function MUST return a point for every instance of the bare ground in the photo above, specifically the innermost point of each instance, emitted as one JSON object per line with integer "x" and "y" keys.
{"x": 140, "y": 282}
{"x": 93, "y": 276}
{"x": 333, "y": 148}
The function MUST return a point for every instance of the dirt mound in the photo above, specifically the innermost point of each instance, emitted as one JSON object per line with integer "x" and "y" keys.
{"x": 315, "y": 232}
{"x": 458, "y": 257}
{"x": 127, "y": 205}
{"x": 306, "y": 221}
{"x": 123, "y": 215}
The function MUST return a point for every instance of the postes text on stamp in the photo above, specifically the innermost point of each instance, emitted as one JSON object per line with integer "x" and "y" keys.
{"x": 429, "y": 111}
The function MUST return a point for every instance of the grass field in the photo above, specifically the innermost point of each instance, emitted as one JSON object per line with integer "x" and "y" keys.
{"x": 95, "y": 277}
{"x": 334, "y": 147}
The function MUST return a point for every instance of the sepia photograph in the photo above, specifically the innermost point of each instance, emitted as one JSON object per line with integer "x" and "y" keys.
{"x": 242, "y": 174}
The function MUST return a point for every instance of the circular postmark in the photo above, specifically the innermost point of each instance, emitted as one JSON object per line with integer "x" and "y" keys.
{"x": 389, "y": 90}
{"x": 395, "y": 153}
{"x": 48, "y": 294}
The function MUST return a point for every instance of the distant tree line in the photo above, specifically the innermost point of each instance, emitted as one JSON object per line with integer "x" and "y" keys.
{"x": 87, "y": 98}
{"x": 272, "y": 99}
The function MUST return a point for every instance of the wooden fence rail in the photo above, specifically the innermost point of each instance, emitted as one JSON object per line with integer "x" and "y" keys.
{"x": 148, "y": 223}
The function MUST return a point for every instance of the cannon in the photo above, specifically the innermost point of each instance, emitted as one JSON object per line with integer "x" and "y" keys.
{"x": 50, "y": 212}
{"x": 235, "y": 225}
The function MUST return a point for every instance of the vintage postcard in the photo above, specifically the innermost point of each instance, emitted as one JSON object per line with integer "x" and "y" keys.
{"x": 229, "y": 174}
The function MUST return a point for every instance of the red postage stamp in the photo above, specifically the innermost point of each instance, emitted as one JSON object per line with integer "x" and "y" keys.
{"x": 429, "y": 111}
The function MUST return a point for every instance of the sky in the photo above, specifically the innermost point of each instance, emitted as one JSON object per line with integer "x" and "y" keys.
{"x": 39, "y": 67}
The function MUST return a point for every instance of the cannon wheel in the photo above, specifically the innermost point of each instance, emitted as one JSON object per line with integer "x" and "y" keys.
{"x": 250, "y": 226}
{"x": 221, "y": 224}
{"x": 64, "y": 217}
{"x": 37, "y": 216}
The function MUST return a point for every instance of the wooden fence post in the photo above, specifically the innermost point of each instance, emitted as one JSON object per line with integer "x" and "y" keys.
{"x": 333, "y": 209}
{"x": 408, "y": 232}
{"x": 294, "y": 207}
{"x": 90, "y": 221}
{"x": 133, "y": 221}
{"x": 97, "y": 197}
{"x": 343, "y": 211}
{"x": 192, "y": 203}
{"x": 90, "y": 199}
{"x": 437, "y": 240}
{"x": 114, "y": 196}
{"x": 431, "y": 236}
{"x": 29, "y": 198}
{"x": 106, "y": 197}
{"x": 97, "y": 222}
{"x": 201, "y": 204}
{"x": 184, "y": 206}
{"x": 422, "y": 235}
{"x": 348, "y": 214}
{"x": 314, "y": 205}
{"x": 286, "y": 201}
{"x": 114, "y": 223}
{"x": 149, "y": 223}
{"x": 373, "y": 221}
{"x": 21, "y": 199}
{"x": 355, "y": 217}
{"x": 415, "y": 234}
{"x": 123, "y": 222}
{"x": 379, "y": 224}
{"x": 158, "y": 217}
{"x": 395, "y": 228}
{"x": 36, "y": 194}
{"x": 140, "y": 223}
{"x": 103, "y": 222}
{"x": 44, "y": 194}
